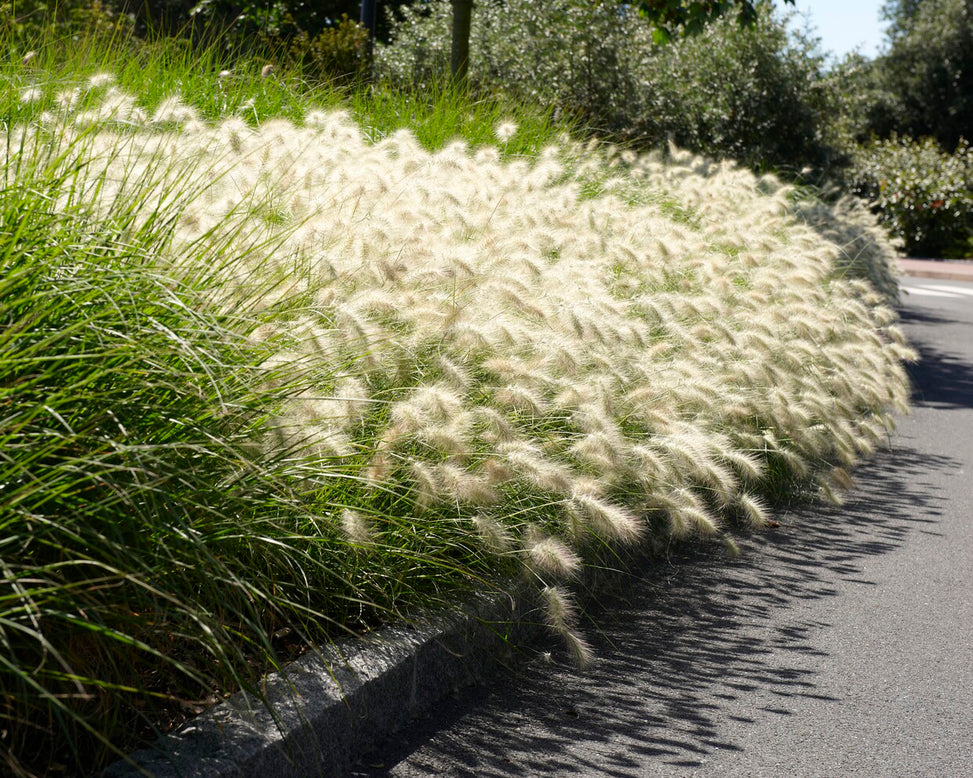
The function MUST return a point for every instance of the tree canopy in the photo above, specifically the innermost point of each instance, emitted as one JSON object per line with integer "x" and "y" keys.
{"x": 927, "y": 72}
{"x": 668, "y": 16}
{"x": 693, "y": 16}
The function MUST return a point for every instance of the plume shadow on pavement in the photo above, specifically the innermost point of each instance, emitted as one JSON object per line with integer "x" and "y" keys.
{"x": 696, "y": 642}
{"x": 940, "y": 379}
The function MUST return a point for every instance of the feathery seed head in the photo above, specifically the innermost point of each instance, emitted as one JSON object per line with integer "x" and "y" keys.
{"x": 549, "y": 556}
{"x": 605, "y": 518}
{"x": 68, "y": 98}
{"x": 520, "y": 398}
{"x": 754, "y": 510}
{"x": 465, "y": 487}
{"x": 596, "y": 450}
{"x": 173, "y": 110}
{"x": 579, "y": 649}
{"x": 379, "y": 470}
{"x": 495, "y": 472}
{"x": 498, "y": 426}
{"x": 356, "y": 528}
{"x": 451, "y": 440}
{"x": 841, "y": 478}
{"x": 559, "y": 611}
{"x": 505, "y": 131}
{"x": 101, "y": 80}
{"x": 702, "y": 521}
{"x": 544, "y": 474}
{"x": 561, "y": 616}
{"x": 493, "y": 534}
{"x": 31, "y": 95}
{"x": 425, "y": 485}
{"x": 749, "y": 466}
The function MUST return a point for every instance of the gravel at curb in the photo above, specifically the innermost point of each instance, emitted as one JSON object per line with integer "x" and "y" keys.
{"x": 332, "y": 706}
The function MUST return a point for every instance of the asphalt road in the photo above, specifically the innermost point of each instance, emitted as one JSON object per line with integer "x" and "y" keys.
{"x": 838, "y": 644}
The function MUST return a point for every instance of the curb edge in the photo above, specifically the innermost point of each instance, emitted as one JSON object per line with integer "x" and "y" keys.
{"x": 330, "y": 706}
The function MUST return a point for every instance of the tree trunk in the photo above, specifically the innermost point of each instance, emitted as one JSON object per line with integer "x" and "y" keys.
{"x": 368, "y": 22}
{"x": 460, "y": 54}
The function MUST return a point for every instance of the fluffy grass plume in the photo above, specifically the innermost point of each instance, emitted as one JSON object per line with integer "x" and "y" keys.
{"x": 431, "y": 366}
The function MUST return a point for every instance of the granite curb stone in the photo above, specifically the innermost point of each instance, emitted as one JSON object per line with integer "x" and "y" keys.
{"x": 332, "y": 706}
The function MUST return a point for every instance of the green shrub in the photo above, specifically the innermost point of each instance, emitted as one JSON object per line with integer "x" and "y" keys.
{"x": 752, "y": 94}
{"x": 922, "y": 194}
{"x": 921, "y": 87}
{"x": 858, "y": 92}
{"x": 24, "y": 21}
{"x": 339, "y": 53}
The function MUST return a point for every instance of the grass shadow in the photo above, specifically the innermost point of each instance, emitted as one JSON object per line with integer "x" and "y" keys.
{"x": 940, "y": 379}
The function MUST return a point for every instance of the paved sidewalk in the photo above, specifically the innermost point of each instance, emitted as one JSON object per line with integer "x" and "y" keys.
{"x": 951, "y": 269}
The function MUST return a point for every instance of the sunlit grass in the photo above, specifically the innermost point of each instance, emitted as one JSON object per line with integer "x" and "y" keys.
{"x": 274, "y": 369}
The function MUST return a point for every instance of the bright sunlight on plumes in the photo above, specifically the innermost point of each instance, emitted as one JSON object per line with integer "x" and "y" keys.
{"x": 523, "y": 361}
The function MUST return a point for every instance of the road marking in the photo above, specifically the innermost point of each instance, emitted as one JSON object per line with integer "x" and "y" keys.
{"x": 921, "y": 291}
{"x": 951, "y": 289}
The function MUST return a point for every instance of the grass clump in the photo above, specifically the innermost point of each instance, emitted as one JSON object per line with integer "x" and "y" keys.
{"x": 165, "y": 536}
{"x": 270, "y": 379}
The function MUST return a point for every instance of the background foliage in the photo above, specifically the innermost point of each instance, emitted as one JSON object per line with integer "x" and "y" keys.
{"x": 926, "y": 76}
{"x": 904, "y": 118}
{"x": 923, "y": 194}
{"x": 753, "y": 94}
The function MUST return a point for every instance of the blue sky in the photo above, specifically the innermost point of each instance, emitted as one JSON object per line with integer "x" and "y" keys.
{"x": 843, "y": 24}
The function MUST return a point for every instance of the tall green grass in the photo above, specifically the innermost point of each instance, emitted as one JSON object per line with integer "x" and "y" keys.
{"x": 255, "y": 88}
{"x": 136, "y": 524}
{"x": 153, "y": 554}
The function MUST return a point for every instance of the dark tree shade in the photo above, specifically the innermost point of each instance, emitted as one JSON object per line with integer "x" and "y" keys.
{"x": 310, "y": 16}
{"x": 694, "y": 15}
